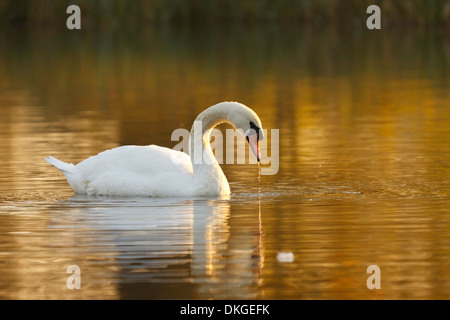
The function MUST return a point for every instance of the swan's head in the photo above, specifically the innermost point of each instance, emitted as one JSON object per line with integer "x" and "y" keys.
{"x": 245, "y": 119}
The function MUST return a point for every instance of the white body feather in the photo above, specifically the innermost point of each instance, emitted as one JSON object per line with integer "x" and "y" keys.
{"x": 131, "y": 171}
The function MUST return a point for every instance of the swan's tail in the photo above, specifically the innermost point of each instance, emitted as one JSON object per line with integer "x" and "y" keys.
{"x": 74, "y": 178}
{"x": 62, "y": 166}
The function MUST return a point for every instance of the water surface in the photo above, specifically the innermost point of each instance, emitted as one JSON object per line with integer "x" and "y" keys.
{"x": 363, "y": 178}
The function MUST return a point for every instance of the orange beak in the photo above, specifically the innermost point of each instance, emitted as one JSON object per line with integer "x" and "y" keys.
{"x": 253, "y": 141}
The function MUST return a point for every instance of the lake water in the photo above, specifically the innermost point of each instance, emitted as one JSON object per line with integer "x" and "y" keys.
{"x": 363, "y": 179}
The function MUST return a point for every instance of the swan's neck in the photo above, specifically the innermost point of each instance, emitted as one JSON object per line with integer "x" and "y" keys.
{"x": 207, "y": 171}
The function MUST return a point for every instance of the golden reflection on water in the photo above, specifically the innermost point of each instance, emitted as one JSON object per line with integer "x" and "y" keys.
{"x": 364, "y": 164}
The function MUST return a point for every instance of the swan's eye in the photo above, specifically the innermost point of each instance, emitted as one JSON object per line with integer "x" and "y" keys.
{"x": 256, "y": 129}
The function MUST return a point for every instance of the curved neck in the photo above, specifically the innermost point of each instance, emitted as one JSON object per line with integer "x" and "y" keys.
{"x": 208, "y": 176}
{"x": 199, "y": 145}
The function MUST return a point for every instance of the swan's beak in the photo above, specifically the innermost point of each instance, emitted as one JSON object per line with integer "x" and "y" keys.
{"x": 253, "y": 141}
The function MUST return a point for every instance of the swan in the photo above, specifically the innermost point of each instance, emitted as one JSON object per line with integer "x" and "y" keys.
{"x": 157, "y": 171}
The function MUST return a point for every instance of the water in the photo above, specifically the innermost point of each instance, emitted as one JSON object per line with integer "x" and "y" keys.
{"x": 363, "y": 171}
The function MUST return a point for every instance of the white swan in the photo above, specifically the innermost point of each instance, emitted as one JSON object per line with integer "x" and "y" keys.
{"x": 163, "y": 172}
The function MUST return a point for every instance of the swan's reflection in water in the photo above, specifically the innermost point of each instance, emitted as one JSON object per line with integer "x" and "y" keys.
{"x": 168, "y": 247}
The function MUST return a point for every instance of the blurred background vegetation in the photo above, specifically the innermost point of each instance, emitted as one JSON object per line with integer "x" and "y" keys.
{"x": 139, "y": 13}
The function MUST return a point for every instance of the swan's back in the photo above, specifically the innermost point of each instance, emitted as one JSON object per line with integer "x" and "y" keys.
{"x": 134, "y": 171}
